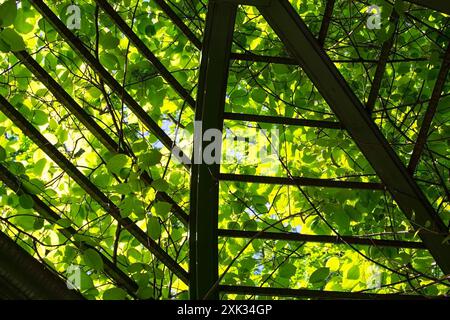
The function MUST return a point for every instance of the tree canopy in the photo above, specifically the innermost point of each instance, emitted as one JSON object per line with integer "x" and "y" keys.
{"x": 90, "y": 111}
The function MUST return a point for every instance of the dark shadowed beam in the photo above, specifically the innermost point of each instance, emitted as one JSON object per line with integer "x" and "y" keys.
{"x": 381, "y": 65}
{"x": 78, "y": 46}
{"x": 437, "y": 5}
{"x": 92, "y": 190}
{"x": 74, "y": 108}
{"x": 23, "y": 277}
{"x": 204, "y": 200}
{"x": 430, "y": 112}
{"x": 145, "y": 51}
{"x": 328, "y": 13}
{"x": 298, "y": 237}
{"x": 117, "y": 275}
{"x": 317, "y": 294}
{"x": 251, "y": 57}
{"x": 299, "y": 40}
{"x": 301, "y": 181}
{"x": 283, "y": 120}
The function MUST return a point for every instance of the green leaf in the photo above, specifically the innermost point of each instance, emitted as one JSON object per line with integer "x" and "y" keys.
{"x": 38, "y": 223}
{"x": 132, "y": 204}
{"x": 123, "y": 188}
{"x": 26, "y": 201}
{"x": 149, "y": 159}
{"x": 40, "y": 118}
{"x": 65, "y": 223}
{"x": 93, "y": 259}
{"x": 114, "y": 294}
{"x": 12, "y": 40}
{"x": 160, "y": 185}
{"x": 145, "y": 293}
{"x": 250, "y": 225}
{"x": 342, "y": 220}
{"x": 280, "y": 68}
{"x": 353, "y": 213}
{"x": 257, "y": 199}
{"x": 26, "y": 222}
{"x": 102, "y": 180}
{"x": 353, "y": 273}
{"x": 110, "y": 61}
{"x": 136, "y": 267}
{"x": 153, "y": 227}
{"x": 109, "y": 41}
{"x": 333, "y": 263}
{"x": 319, "y": 275}
{"x": 39, "y": 166}
{"x": 86, "y": 282}
{"x": 162, "y": 208}
{"x": 117, "y": 163}
{"x": 399, "y": 6}
{"x": 239, "y": 96}
{"x": 258, "y": 95}
{"x": 287, "y": 270}
{"x": 8, "y": 13}
{"x": 20, "y": 23}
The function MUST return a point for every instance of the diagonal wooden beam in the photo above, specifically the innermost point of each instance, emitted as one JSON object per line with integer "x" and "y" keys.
{"x": 430, "y": 112}
{"x": 298, "y": 39}
{"x": 381, "y": 65}
{"x": 78, "y": 46}
{"x": 67, "y": 101}
{"x": 72, "y": 106}
{"x": 328, "y": 13}
{"x": 118, "y": 276}
{"x": 437, "y": 5}
{"x": 31, "y": 132}
{"x": 146, "y": 52}
{"x": 179, "y": 23}
{"x": 27, "y": 278}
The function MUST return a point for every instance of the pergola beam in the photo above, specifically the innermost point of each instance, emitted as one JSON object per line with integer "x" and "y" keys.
{"x": 120, "y": 278}
{"x": 30, "y": 131}
{"x": 204, "y": 200}
{"x": 298, "y": 39}
{"x": 179, "y": 23}
{"x": 299, "y": 237}
{"x": 67, "y": 101}
{"x": 146, "y": 52}
{"x": 77, "y": 45}
{"x": 327, "y": 15}
{"x": 74, "y": 108}
{"x": 437, "y": 5}
{"x": 301, "y": 181}
{"x": 430, "y": 112}
{"x": 23, "y": 277}
{"x": 325, "y": 124}
{"x": 316, "y": 294}
{"x": 381, "y": 65}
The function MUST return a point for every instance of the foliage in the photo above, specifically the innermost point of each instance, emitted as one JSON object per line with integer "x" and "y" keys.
{"x": 274, "y": 89}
